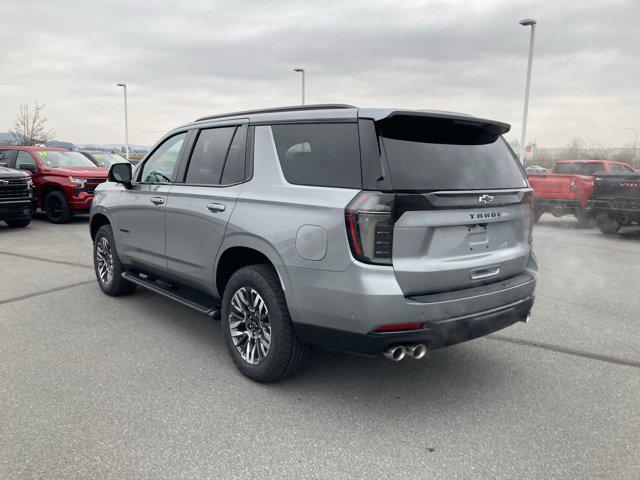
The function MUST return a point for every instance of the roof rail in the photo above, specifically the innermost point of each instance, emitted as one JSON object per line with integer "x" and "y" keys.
{"x": 320, "y": 106}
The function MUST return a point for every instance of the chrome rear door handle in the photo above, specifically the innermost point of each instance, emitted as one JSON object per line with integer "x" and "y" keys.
{"x": 157, "y": 200}
{"x": 216, "y": 207}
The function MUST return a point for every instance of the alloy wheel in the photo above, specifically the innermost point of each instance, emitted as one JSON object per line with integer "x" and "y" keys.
{"x": 249, "y": 325}
{"x": 104, "y": 257}
{"x": 53, "y": 208}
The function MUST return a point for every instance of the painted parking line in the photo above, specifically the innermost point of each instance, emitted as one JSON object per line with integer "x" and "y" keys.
{"x": 567, "y": 351}
{"x": 44, "y": 292}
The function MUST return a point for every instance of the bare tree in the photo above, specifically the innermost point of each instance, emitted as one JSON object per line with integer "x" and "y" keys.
{"x": 590, "y": 149}
{"x": 596, "y": 150}
{"x": 31, "y": 126}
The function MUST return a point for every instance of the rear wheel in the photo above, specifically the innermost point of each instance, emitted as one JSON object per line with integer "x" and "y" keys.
{"x": 56, "y": 208}
{"x": 536, "y": 215}
{"x": 107, "y": 264}
{"x": 18, "y": 223}
{"x": 583, "y": 219}
{"x": 257, "y": 327}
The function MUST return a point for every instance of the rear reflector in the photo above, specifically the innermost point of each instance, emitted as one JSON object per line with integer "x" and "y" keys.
{"x": 396, "y": 327}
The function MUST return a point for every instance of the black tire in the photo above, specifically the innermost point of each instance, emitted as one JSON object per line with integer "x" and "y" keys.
{"x": 583, "y": 219}
{"x": 607, "y": 224}
{"x": 56, "y": 208}
{"x": 23, "y": 222}
{"x": 536, "y": 215}
{"x": 610, "y": 227}
{"x": 114, "y": 285}
{"x": 286, "y": 353}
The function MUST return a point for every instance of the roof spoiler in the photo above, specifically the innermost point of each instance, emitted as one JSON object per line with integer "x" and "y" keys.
{"x": 493, "y": 126}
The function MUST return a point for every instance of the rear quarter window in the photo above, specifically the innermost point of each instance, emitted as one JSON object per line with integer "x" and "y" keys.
{"x": 319, "y": 154}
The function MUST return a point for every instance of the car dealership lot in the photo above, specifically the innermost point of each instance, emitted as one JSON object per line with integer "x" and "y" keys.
{"x": 138, "y": 386}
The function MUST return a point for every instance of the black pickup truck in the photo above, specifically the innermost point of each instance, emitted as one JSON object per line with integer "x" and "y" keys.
{"x": 16, "y": 197}
{"x": 615, "y": 201}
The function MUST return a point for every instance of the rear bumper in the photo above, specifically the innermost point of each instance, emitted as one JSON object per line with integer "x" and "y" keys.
{"x": 327, "y": 307}
{"x": 548, "y": 203}
{"x": 434, "y": 335}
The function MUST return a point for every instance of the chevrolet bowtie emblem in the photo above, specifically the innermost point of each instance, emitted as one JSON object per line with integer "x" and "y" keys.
{"x": 485, "y": 199}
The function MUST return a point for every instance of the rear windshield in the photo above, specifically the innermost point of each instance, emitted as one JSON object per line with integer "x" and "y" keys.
{"x": 440, "y": 154}
{"x": 578, "y": 168}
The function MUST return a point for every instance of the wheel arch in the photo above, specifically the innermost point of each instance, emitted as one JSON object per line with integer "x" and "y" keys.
{"x": 238, "y": 252}
{"x": 97, "y": 221}
{"x": 51, "y": 187}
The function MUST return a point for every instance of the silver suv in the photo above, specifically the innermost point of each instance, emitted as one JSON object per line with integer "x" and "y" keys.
{"x": 365, "y": 230}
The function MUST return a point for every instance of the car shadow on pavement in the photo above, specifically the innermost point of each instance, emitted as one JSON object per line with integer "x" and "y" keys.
{"x": 448, "y": 378}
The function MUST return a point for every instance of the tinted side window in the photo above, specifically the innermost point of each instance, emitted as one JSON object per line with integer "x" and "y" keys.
{"x": 7, "y": 157}
{"x": 566, "y": 168}
{"x": 158, "y": 168}
{"x": 234, "y": 167}
{"x": 24, "y": 158}
{"x": 208, "y": 156}
{"x": 321, "y": 154}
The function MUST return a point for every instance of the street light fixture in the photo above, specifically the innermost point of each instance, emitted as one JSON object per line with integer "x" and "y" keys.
{"x": 527, "y": 22}
{"x": 126, "y": 120}
{"x": 635, "y": 144}
{"x": 301, "y": 70}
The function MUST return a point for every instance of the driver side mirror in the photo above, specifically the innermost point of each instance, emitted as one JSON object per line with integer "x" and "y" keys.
{"x": 121, "y": 173}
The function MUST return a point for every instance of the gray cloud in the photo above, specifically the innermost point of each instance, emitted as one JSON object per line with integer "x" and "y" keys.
{"x": 183, "y": 59}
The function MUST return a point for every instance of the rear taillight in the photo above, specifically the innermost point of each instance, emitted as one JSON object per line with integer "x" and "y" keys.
{"x": 369, "y": 221}
{"x": 529, "y": 211}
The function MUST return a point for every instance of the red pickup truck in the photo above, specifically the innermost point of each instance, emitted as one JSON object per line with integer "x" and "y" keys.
{"x": 64, "y": 180}
{"x": 567, "y": 188}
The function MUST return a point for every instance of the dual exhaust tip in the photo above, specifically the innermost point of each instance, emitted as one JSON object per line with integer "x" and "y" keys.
{"x": 399, "y": 352}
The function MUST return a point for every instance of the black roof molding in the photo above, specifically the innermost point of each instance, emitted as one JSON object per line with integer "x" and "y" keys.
{"x": 293, "y": 108}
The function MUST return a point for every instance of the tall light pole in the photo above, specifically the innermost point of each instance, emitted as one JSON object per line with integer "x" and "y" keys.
{"x": 301, "y": 70}
{"x": 126, "y": 120}
{"x": 527, "y": 22}
{"x": 635, "y": 144}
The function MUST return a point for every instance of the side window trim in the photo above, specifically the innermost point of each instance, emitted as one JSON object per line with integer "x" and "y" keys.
{"x": 141, "y": 165}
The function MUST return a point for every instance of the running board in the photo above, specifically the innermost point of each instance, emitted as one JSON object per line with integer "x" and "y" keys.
{"x": 191, "y": 299}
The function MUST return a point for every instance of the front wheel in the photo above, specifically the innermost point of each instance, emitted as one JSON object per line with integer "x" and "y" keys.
{"x": 19, "y": 223}
{"x": 107, "y": 264}
{"x": 257, "y": 327}
{"x": 608, "y": 225}
{"x": 56, "y": 208}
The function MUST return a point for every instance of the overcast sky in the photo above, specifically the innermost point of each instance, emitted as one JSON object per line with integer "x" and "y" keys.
{"x": 184, "y": 59}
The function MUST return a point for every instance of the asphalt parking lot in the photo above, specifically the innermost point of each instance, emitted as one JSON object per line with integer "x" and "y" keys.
{"x": 140, "y": 387}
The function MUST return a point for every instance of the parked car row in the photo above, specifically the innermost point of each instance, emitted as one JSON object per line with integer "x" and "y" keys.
{"x": 594, "y": 191}
{"x": 373, "y": 231}
{"x": 62, "y": 180}
{"x": 17, "y": 199}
